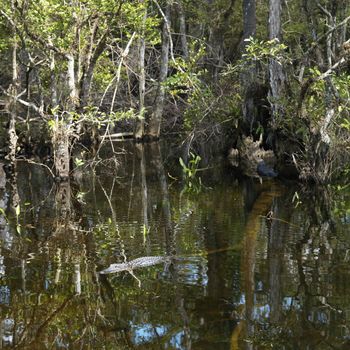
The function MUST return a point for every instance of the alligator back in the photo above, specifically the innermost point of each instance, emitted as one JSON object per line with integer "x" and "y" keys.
{"x": 144, "y": 261}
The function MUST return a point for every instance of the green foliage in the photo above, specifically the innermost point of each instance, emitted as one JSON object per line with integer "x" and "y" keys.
{"x": 345, "y": 124}
{"x": 93, "y": 116}
{"x": 188, "y": 77}
{"x": 191, "y": 169}
{"x": 104, "y": 72}
{"x": 80, "y": 196}
{"x": 203, "y": 108}
{"x": 198, "y": 103}
{"x": 133, "y": 19}
{"x": 263, "y": 51}
{"x": 2, "y": 212}
{"x": 78, "y": 162}
{"x": 203, "y": 105}
{"x": 193, "y": 183}
{"x": 315, "y": 101}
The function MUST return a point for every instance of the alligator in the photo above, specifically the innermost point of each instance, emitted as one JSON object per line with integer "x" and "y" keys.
{"x": 144, "y": 261}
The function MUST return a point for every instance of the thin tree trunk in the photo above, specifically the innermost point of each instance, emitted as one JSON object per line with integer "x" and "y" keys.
{"x": 156, "y": 118}
{"x": 217, "y": 30}
{"x": 329, "y": 89}
{"x": 87, "y": 76}
{"x": 182, "y": 29}
{"x": 276, "y": 74}
{"x": 313, "y": 24}
{"x": 248, "y": 77}
{"x": 91, "y": 59}
{"x": 87, "y": 70}
{"x": 216, "y": 56}
{"x": 12, "y": 136}
{"x": 118, "y": 74}
{"x": 53, "y": 85}
{"x": 140, "y": 123}
{"x": 73, "y": 93}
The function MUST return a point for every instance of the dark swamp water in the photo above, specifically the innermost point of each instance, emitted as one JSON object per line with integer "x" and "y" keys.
{"x": 252, "y": 266}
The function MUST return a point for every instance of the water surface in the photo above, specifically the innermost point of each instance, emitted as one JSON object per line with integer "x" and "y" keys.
{"x": 253, "y": 266}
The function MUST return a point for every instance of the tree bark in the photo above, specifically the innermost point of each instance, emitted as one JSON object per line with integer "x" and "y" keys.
{"x": 156, "y": 118}
{"x": 60, "y": 142}
{"x": 248, "y": 77}
{"x": 90, "y": 61}
{"x": 12, "y": 136}
{"x": 182, "y": 29}
{"x": 217, "y": 29}
{"x": 73, "y": 92}
{"x": 216, "y": 57}
{"x": 53, "y": 85}
{"x": 140, "y": 122}
{"x": 276, "y": 74}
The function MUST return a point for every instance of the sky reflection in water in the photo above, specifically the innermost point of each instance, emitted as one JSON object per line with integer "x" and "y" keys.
{"x": 239, "y": 278}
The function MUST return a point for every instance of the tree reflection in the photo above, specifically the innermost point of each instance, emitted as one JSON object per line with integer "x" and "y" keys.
{"x": 249, "y": 270}
{"x": 294, "y": 299}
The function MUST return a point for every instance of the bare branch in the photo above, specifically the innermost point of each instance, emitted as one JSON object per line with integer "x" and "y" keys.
{"x": 331, "y": 69}
{"x": 330, "y": 31}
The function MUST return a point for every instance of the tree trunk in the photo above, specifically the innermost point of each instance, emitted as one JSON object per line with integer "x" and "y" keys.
{"x": 182, "y": 29}
{"x": 140, "y": 122}
{"x": 61, "y": 134}
{"x": 12, "y": 136}
{"x": 216, "y": 57}
{"x": 73, "y": 93}
{"x": 60, "y": 142}
{"x": 63, "y": 201}
{"x": 156, "y": 118}
{"x": 217, "y": 29}
{"x": 90, "y": 61}
{"x": 248, "y": 77}
{"x": 53, "y": 85}
{"x": 276, "y": 74}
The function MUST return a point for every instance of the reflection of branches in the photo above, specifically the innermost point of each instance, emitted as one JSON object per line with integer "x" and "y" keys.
{"x": 270, "y": 218}
{"x": 114, "y": 220}
{"x": 312, "y": 251}
{"x": 253, "y": 226}
{"x": 144, "y": 190}
{"x": 299, "y": 259}
{"x": 46, "y": 322}
{"x": 131, "y": 184}
{"x": 117, "y": 79}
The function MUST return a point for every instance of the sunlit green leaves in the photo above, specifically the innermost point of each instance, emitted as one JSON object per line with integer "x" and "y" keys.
{"x": 2, "y": 213}
{"x": 193, "y": 183}
{"x": 264, "y": 50}
{"x": 78, "y": 162}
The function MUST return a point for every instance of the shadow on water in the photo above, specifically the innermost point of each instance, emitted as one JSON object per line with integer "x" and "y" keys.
{"x": 252, "y": 266}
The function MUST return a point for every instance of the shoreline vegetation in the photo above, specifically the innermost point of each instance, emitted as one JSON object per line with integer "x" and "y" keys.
{"x": 77, "y": 75}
